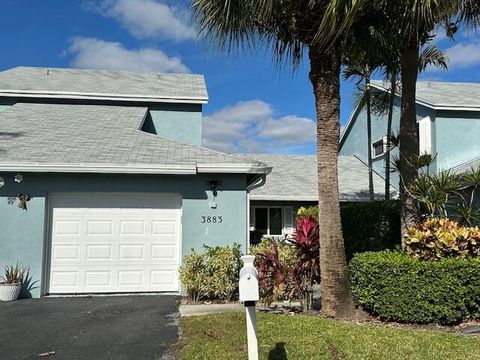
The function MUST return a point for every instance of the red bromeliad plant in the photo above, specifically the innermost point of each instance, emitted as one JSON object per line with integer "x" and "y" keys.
{"x": 307, "y": 269}
{"x": 275, "y": 276}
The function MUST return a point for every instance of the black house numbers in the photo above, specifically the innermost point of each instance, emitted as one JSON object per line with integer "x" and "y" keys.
{"x": 211, "y": 219}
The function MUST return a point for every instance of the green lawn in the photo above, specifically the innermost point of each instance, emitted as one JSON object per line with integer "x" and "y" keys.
{"x": 223, "y": 336}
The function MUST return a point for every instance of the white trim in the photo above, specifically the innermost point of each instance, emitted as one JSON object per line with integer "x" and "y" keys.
{"x": 254, "y": 208}
{"x": 135, "y": 169}
{"x": 384, "y": 144}
{"x": 97, "y": 168}
{"x": 425, "y": 135}
{"x": 228, "y": 168}
{"x": 102, "y": 96}
{"x": 349, "y": 124}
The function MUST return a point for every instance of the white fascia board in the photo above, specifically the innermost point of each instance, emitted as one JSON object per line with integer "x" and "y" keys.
{"x": 281, "y": 198}
{"x": 100, "y": 169}
{"x": 349, "y": 124}
{"x": 99, "y": 96}
{"x": 456, "y": 108}
{"x": 232, "y": 168}
{"x": 351, "y": 198}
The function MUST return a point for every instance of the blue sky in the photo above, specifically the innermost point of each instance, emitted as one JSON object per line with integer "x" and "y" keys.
{"x": 254, "y": 106}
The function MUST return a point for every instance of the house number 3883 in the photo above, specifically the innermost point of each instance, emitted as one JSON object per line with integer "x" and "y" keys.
{"x": 211, "y": 219}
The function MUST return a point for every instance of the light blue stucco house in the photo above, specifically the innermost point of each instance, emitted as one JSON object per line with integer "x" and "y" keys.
{"x": 448, "y": 118}
{"x": 119, "y": 186}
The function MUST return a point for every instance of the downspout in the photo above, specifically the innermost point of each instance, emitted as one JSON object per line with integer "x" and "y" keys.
{"x": 257, "y": 182}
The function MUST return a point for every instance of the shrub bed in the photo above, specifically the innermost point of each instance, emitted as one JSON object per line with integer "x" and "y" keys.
{"x": 398, "y": 287}
{"x": 371, "y": 226}
{"x": 212, "y": 274}
{"x": 440, "y": 238}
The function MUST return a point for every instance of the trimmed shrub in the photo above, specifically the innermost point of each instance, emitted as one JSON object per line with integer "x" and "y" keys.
{"x": 212, "y": 274}
{"x": 398, "y": 287}
{"x": 440, "y": 238}
{"x": 371, "y": 226}
{"x": 192, "y": 275}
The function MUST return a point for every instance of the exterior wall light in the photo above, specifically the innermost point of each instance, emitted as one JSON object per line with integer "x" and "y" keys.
{"x": 2, "y": 182}
{"x": 213, "y": 185}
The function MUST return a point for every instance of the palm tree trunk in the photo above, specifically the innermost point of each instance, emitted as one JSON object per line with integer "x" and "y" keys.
{"x": 408, "y": 134}
{"x": 393, "y": 88}
{"x": 368, "y": 100}
{"x": 336, "y": 297}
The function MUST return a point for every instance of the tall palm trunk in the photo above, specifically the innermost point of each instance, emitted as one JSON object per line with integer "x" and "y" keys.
{"x": 336, "y": 298}
{"x": 408, "y": 134}
{"x": 391, "y": 99}
{"x": 368, "y": 99}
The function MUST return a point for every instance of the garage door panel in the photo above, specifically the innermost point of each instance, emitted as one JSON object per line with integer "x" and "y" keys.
{"x": 112, "y": 243}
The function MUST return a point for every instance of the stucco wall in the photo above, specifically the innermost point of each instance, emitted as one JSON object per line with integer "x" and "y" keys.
{"x": 355, "y": 139}
{"x": 457, "y": 138}
{"x": 22, "y": 233}
{"x": 182, "y": 122}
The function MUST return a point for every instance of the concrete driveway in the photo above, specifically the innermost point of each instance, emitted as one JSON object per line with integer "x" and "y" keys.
{"x": 112, "y": 327}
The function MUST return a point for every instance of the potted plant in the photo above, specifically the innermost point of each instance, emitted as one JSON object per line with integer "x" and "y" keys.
{"x": 12, "y": 281}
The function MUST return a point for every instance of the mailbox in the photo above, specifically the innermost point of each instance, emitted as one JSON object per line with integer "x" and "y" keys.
{"x": 248, "y": 286}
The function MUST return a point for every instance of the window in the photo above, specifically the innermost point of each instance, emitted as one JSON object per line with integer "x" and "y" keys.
{"x": 378, "y": 148}
{"x": 268, "y": 220}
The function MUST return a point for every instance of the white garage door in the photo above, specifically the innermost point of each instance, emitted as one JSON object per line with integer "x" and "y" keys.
{"x": 104, "y": 243}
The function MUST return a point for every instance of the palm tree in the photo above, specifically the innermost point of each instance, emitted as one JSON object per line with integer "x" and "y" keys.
{"x": 364, "y": 73}
{"x": 411, "y": 23}
{"x": 293, "y": 28}
{"x": 366, "y": 50}
{"x": 431, "y": 55}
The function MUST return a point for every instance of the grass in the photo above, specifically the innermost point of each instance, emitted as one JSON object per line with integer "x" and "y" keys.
{"x": 282, "y": 337}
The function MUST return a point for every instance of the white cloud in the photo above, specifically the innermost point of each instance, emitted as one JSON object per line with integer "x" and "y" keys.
{"x": 464, "y": 55}
{"x": 98, "y": 54}
{"x": 289, "y": 130}
{"x": 250, "y": 126}
{"x": 146, "y": 18}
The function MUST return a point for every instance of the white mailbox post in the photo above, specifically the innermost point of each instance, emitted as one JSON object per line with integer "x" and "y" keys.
{"x": 248, "y": 293}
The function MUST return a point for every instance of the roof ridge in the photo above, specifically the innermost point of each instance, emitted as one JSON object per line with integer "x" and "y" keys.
{"x": 100, "y": 70}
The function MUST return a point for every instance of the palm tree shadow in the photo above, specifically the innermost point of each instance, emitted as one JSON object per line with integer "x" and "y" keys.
{"x": 278, "y": 352}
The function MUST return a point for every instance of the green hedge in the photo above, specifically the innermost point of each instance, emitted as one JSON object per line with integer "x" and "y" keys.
{"x": 397, "y": 287}
{"x": 371, "y": 226}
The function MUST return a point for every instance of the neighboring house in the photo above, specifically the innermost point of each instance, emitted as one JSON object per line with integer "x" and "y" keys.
{"x": 120, "y": 188}
{"x": 293, "y": 183}
{"x": 448, "y": 118}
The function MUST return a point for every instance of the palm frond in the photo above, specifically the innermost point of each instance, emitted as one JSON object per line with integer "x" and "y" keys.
{"x": 431, "y": 55}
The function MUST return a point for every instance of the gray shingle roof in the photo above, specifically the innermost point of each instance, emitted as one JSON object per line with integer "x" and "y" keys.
{"x": 294, "y": 178}
{"x": 467, "y": 167}
{"x": 439, "y": 94}
{"x": 81, "y": 135}
{"x": 91, "y": 83}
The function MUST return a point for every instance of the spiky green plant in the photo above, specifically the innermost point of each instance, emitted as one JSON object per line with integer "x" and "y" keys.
{"x": 15, "y": 274}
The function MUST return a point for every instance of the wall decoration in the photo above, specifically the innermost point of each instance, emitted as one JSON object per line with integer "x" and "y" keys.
{"x": 22, "y": 201}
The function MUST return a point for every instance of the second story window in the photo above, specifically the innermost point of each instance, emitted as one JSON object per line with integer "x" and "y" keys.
{"x": 379, "y": 148}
